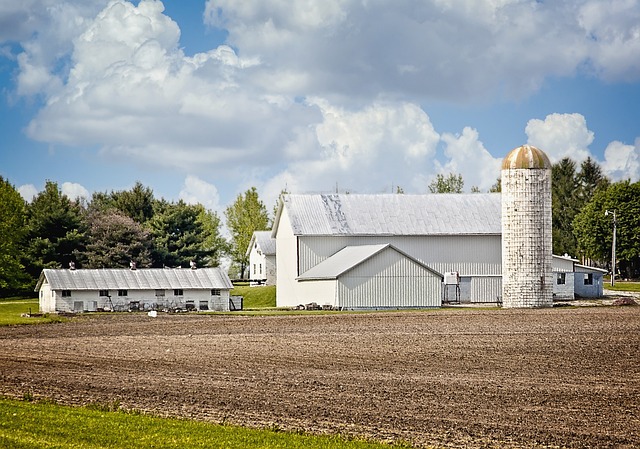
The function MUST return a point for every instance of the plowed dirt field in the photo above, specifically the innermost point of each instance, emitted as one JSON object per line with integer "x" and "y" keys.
{"x": 448, "y": 378}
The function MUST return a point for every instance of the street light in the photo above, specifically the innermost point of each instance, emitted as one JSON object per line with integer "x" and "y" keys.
{"x": 613, "y": 247}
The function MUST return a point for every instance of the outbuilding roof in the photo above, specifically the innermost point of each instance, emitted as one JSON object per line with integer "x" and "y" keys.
{"x": 350, "y": 257}
{"x": 266, "y": 243}
{"x": 393, "y": 214}
{"x": 140, "y": 279}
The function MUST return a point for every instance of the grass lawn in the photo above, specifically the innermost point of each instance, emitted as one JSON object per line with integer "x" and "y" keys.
{"x": 12, "y": 309}
{"x": 260, "y": 297}
{"x": 623, "y": 286}
{"x": 45, "y": 425}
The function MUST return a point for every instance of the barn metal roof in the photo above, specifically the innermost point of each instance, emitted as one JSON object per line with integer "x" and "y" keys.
{"x": 350, "y": 257}
{"x": 393, "y": 214}
{"x": 140, "y": 279}
{"x": 264, "y": 240}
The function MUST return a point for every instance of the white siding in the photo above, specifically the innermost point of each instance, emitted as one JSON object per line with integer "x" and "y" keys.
{"x": 322, "y": 292}
{"x": 486, "y": 289}
{"x": 257, "y": 264}
{"x": 469, "y": 255}
{"x": 563, "y": 291}
{"x": 286, "y": 290}
{"x": 389, "y": 280}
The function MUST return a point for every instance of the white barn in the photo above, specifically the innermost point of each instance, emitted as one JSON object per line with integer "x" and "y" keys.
{"x": 425, "y": 234}
{"x": 262, "y": 258}
{"x": 142, "y": 289}
{"x": 392, "y": 251}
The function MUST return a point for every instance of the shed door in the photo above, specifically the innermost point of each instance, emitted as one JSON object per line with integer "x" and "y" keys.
{"x": 78, "y": 306}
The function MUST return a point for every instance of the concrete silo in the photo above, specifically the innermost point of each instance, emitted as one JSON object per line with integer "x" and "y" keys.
{"x": 527, "y": 279}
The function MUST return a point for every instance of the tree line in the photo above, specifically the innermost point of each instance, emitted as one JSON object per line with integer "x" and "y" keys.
{"x": 113, "y": 229}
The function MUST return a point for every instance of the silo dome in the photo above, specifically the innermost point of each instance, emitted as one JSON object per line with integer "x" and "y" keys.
{"x": 526, "y": 157}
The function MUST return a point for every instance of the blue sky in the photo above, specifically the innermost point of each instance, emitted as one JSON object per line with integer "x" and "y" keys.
{"x": 201, "y": 100}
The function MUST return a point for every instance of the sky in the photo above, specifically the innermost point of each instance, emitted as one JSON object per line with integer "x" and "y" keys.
{"x": 202, "y": 100}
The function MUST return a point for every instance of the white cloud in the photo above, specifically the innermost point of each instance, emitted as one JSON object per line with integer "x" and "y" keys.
{"x": 561, "y": 135}
{"x": 74, "y": 191}
{"x": 622, "y": 161}
{"x": 197, "y": 191}
{"x": 28, "y": 192}
{"x": 468, "y": 156}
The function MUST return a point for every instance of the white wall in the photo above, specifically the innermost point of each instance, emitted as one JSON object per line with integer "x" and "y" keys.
{"x": 286, "y": 263}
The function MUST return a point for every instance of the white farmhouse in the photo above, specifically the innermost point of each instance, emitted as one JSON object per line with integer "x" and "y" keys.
{"x": 262, "y": 258}
{"x": 133, "y": 289}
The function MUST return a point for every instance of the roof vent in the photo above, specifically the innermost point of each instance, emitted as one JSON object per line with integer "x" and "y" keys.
{"x": 193, "y": 264}
{"x": 132, "y": 265}
{"x": 72, "y": 265}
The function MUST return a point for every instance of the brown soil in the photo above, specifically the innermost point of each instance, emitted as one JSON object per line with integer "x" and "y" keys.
{"x": 448, "y": 378}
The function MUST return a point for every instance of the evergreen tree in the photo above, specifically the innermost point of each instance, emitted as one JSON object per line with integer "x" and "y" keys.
{"x": 214, "y": 244}
{"x": 246, "y": 215}
{"x": 136, "y": 203}
{"x": 12, "y": 230}
{"x": 56, "y": 231}
{"x": 497, "y": 187}
{"x": 564, "y": 206}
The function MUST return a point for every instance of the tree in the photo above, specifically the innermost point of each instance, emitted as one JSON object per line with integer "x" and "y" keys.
{"x": 497, "y": 187}
{"x": 214, "y": 244}
{"x": 12, "y": 230}
{"x": 246, "y": 215}
{"x": 564, "y": 206}
{"x": 450, "y": 184}
{"x": 594, "y": 230}
{"x": 589, "y": 179}
{"x": 56, "y": 231}
{"x": 178, "y": 235}
{"x": 115, "y": 240}
{"x": 136, "y": 203}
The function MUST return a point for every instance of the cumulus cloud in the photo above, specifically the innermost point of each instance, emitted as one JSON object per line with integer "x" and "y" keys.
{"x": 74, "y": 191}
{"x": 561, "y": 135}
{"x": 28, "y": 192}
{"x": 622, "y": 161}
{"x": 197, "y": 191}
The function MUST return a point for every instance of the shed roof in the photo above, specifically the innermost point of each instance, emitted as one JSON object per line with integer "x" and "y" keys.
{"x": 393, "y": 214}
{"x": 266, "y": 243}
{"x": 350, "y": 257}
{"x": 140, "y": 279}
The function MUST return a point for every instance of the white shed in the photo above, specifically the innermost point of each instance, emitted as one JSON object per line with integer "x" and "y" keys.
{"x": 262, "y": 258}
{"x": 347, "y": 279}
{"x": 142, "y": 289}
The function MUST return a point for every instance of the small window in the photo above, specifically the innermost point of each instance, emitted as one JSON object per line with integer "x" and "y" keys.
{"x": 190, "y": 305}
{"x": 103, "y": 293}
{"x": 122, "y": 293}
{"x": 588, "y": 279}
{"x": 215, "y": 292}
{"x": 254, "y": 268}
{"x": 561, "y": 278}
{"x": 204, "y": 305}
{"x": 178, "y": 292}
{"x": 159, "y": 292}
{"x": 66, "y": 293}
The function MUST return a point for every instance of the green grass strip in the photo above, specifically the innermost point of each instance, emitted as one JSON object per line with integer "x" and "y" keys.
{"x": 256, "y": 297}
{"x": 36, "y": 425}
{"x": 11, "y": 312}
{"x": 623, "y": 286}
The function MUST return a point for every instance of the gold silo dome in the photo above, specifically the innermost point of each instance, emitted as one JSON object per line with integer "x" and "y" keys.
{"x": 526, "y": 157}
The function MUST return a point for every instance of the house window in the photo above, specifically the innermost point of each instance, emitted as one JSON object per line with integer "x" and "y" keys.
{"x": 66, "y": 293}
{"x": 215, "y": 292}
{"x": 254, "y": 268}
{"x": 204, "y": 305}
{"x": 561, "y": 278}
{"x": 190, "y": 305}
{"x": 178, "y": 292}
{"x": 103, "y": 293}
{"x": 260, "y": 269}
{"x": 122, "y": 293}
{"x": 159, "y": 292}
{"x": 588, "y": 279}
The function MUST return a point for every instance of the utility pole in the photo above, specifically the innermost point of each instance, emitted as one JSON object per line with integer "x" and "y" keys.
{"x": 613, "y": 247}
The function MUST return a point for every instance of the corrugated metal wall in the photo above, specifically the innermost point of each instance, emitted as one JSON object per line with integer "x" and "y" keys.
{"x": 486, "y": 288}
{"x": 469, "y": 255}
{"x": 389, "y": 280}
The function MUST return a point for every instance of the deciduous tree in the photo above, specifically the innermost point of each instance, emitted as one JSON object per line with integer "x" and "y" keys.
{"x": 12, "y": 230}
{"x": 452, "y": 183}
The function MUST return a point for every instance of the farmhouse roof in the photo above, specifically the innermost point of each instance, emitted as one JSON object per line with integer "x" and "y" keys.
{"x": 140, "y": 279}
{"x": 266, "y": 243}
{"x": 393, "y": 214}
{"x": 349, "y": 258}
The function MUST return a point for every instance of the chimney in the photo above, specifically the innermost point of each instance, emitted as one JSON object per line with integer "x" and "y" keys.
{"x": 72, "y": 266}
{"x": 132, "y": 265}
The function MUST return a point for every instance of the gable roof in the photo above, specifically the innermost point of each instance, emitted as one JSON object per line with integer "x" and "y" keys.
{"x": 393, "y": 214}
{"x": 266, "y": 243}
{"x": 140, "y": 279}
{"x": 350, "y": 257}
